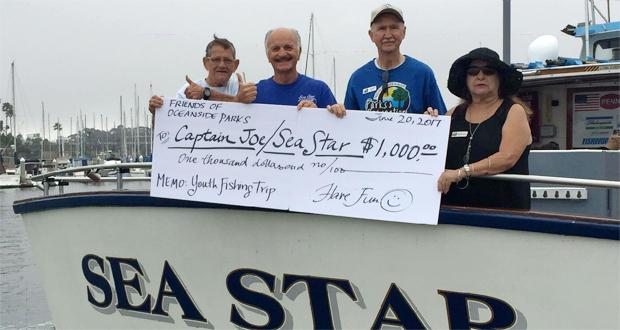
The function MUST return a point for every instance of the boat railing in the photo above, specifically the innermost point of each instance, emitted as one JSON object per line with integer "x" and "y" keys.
{"x": 59, "y": 178}
{"x": 92, "y": 173}
{"x": 556, "y": 180}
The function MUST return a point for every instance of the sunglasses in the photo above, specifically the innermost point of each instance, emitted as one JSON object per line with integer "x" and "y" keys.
{"x": 385, "y": 77}
{"x": 475, "y": 70}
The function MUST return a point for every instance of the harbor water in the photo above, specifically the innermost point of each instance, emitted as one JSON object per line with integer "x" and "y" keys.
{"x": 22, "y": 299}
{"x": 23, "y": 304}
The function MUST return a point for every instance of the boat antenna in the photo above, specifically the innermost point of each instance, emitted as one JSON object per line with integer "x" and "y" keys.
{"x": 595, "y": 8}
{"x": 587, "y": 31}
{"x": 608, "y": 12}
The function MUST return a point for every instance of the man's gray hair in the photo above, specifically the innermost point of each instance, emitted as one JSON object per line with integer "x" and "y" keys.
{"x": 293, "y": 31}
{"x": 222, "y": 42}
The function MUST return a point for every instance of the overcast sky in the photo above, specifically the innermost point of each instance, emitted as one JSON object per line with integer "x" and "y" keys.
{"x": 84, "y": 54}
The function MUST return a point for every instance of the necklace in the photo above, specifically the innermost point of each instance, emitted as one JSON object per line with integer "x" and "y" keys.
{"x": 471, "y": 137}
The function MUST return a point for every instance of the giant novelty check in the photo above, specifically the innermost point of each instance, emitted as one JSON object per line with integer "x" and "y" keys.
{"x": 372, "y": 165}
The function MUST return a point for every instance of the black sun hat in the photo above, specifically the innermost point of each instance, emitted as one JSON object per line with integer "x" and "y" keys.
{"x": 510, "y": 78}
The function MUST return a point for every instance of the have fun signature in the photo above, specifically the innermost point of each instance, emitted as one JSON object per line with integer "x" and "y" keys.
{"x": 395, "y": 200}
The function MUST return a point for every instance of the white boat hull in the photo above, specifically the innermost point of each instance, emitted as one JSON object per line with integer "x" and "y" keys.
{"x": 9, "y": 181}
{"x": 549, "y": 280}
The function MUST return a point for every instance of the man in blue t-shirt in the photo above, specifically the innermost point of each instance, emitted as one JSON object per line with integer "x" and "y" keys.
{"x": 392, "y": 82}
{"x": 287, "y": 86}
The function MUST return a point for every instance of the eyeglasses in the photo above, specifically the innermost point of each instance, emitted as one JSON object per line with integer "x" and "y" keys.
{"x": 217, "y": 60}
{"x": 385, "y": 77}
{"x": 475, "y": 70}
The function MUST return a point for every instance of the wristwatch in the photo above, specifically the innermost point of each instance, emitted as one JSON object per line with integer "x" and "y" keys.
{"x": 467, "y": 170}
{"x": 207, "y": 93}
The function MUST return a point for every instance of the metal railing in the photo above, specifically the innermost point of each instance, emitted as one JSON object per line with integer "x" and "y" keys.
{"x": 91, "y": 174}
{"x": 57, "y": 178}
{"x": 556, "y": 180}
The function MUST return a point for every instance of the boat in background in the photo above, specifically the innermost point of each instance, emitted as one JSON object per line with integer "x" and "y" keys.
{"x": 576, "y": 109}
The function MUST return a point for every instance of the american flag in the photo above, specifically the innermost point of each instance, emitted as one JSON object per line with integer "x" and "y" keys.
{"x": 587, "y": 102}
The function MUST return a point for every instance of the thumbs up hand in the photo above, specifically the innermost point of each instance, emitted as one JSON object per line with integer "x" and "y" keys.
{"x": 247, "y": 91}
{"x": 193, "y": 91}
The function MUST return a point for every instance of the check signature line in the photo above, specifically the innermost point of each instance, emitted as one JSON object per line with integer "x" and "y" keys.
{"x": 388, "y": 172}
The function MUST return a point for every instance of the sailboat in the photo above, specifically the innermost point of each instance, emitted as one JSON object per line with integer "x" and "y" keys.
{"x": 9, "y": 176}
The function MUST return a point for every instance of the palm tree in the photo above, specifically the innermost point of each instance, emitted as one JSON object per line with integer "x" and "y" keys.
{"x": 9, "y": 111}
{"x": 58, "y": 127}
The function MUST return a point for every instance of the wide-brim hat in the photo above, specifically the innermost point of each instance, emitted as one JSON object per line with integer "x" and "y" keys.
{"x": 510, "y": 78}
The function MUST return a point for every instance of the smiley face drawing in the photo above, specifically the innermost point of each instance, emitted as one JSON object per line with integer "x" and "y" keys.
{"x": 396, "y": 200}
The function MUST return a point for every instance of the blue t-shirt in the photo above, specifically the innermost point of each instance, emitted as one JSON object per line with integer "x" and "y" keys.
{"x": 411, "y": 87}
{"x": 304, "y": 88}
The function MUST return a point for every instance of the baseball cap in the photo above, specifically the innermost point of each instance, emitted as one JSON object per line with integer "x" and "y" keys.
{"x": 386, "y": 8}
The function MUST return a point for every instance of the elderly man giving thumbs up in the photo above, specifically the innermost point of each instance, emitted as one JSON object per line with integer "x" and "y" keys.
{"x": 220, "y": 83}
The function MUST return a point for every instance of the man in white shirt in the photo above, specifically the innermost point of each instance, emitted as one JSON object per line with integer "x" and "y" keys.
{"x": 220, "y": 84}
{"x": 220, "y": 62}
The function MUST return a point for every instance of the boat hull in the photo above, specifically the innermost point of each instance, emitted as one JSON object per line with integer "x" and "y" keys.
{"x": 553, "y": 272}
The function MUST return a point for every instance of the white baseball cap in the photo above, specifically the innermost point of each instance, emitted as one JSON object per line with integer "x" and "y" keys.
{"x": 386, "y": 8}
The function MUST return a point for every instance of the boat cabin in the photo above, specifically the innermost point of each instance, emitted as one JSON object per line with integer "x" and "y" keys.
{"x": 576, "y": 101}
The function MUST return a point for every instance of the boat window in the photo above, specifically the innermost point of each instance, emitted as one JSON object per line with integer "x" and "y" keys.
{"x": 608, "y": 49}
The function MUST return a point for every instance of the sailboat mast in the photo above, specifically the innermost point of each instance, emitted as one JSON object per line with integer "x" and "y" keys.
{"x": 14, "y": 108}
{"x": 138, "y": 123}
{"x": 123, "y": 141}
{"x": 149, "y": 126}
{"x": 49, "y": 135}
{"x": 107, "y": 135}
{"x": 57, "y": 128}
{"x": 310, "y": 43}
{"x": 43, "y": 124}
{"x": 82, "y": 147}
{"x": 334, "y": 66}
{"x": 105, "y": 146}
{"x": 135, "y": 149}
{"x": 71, "y": 145}
{"x": 132, "y": 133}
{"x": 312, "y": 29}
{"x": 148, "y": 133}
{"x": 79, "y": 136}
